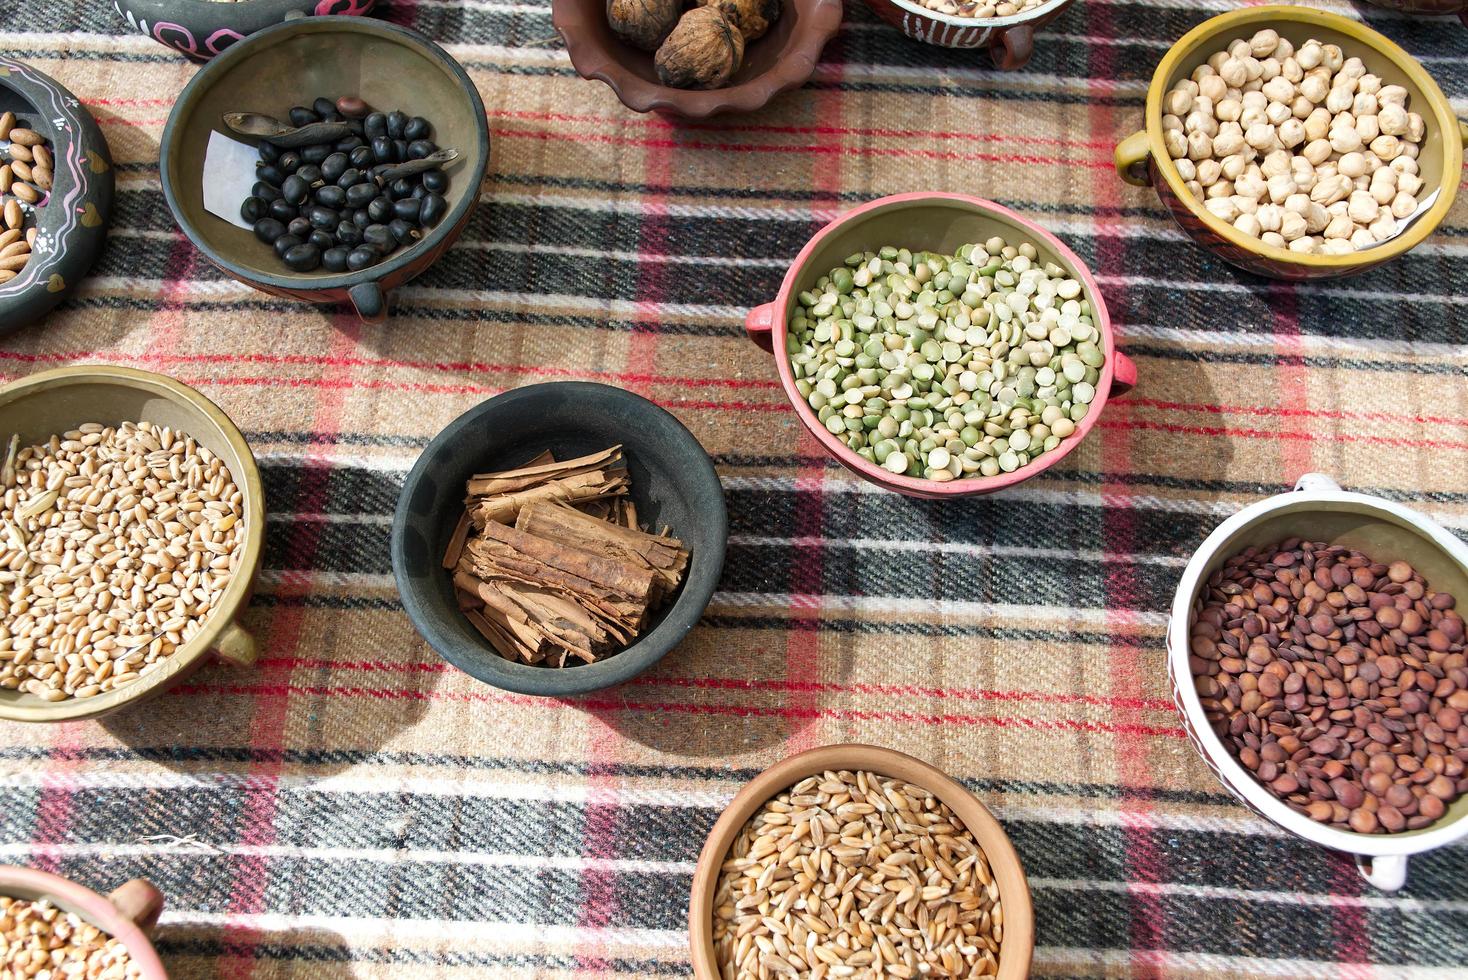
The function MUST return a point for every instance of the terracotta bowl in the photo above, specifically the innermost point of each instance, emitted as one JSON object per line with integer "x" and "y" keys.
{"x": 41, "y": 405}
{"x": 73, "y": 217}
{"x": 673, "y": 484}
{"x": 293, "y": 63}
{"x": 1318, "y": 510}
{"x": 202, "y": 29}
{"x": 1010, "y": 40}
{"x": 781, "y": 60}
{"x": 128, "y": 914}
{"x": 939, "y": 223}
{"x": 1427, "y": 8}
{"x": 1018, "y": 944}
{"x": 1142, "y": 158}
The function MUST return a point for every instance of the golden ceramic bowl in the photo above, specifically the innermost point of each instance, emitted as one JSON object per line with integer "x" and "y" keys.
{"x": 39, "y": 406}
{"x": 1142, "y": 158}
{"x": 1015, "y": 949}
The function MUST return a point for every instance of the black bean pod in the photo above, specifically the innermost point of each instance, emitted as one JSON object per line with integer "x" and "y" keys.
{"x": 302, "y": 258}
{"x": 331, "y": 196}
{"x": 301, "y": 116}
{"x": 285, "y": 243}
{"x": 283, "y": 211}
{"x": 360, "y": 195}
{"x": 323, "y": 217}
{"x": 436, "y": 181}
{"x": 253, "y": 209}
{"x": 335, "y": 259}
{"x": 418, "y": 149}
{"x": 361, "y": 257}
{"x": 417, "y": 128}
{"x": 382, "y": 149}
{"x": 295, "y": 189}
{"x": 380, "y": 208}
{"x": 397, "y": 121}
{"x": 316, "y": 153}
{"x": 299, "y": 227}
{"x": 374, "y": 124}
{"x": 433, "y": 209}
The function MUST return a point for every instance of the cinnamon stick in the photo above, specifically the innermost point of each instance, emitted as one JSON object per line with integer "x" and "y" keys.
{"x": 664, "y": 557}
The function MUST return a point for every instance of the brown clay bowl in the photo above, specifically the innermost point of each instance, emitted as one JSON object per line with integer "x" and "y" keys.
{"x": 128, "y": 914}
{"x": 38, "y": 406}
{"x": 1018, "y": 944}
{"x": 295, "y": 62}
{"x": 781, "y": 60}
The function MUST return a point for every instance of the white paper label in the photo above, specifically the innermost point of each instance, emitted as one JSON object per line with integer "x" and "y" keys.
{"x": 229, "y": 174}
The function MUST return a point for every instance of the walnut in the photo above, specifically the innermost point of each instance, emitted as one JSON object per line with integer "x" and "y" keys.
{"x": 643, "y": 24}
{"x": 752, "y": 17}
{"x": 703, "y": 51}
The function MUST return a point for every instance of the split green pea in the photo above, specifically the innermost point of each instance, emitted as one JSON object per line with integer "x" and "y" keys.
{"x": 947, "y": 367}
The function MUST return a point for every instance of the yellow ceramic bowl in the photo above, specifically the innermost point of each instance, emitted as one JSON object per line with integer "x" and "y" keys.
{"x": 1142, "y": 158}
{"x": 37, "y": 407}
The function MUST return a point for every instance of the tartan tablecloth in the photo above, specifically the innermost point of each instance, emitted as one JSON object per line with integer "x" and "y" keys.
{"x": 355, "y": 808}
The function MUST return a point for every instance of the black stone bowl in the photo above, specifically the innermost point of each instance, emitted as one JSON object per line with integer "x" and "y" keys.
{"x": 673, "y": 484}
{"x": 72, "y": 219}
{"x": 201, "y": 29}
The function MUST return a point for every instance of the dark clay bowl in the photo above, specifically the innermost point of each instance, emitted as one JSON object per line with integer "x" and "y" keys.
{"x": 73, "y": 218}
{"x": 202, "y": 29}
{"x": 293, "y": 63}
{"x": 1427, "y": 8}
{"x": 781, "y": 60}
{"x": 673, "y": 484}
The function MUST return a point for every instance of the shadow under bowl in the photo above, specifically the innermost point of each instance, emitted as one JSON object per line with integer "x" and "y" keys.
{"x": 294, "y": 63}
{"x": 53, "y": 402}
{"x": 783, "y": 59}
{"x": 673, "y": 483}
{"x": 1016, "y": 948}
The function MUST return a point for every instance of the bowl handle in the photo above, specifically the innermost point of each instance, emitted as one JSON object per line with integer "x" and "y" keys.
{"x": 1011, "y": 49}
{"x": 1316, "y": 481}
{"x": 1463, "y": 126}
{"x": 1131, "y": 159}
{"x": 1123, "y": 374}
{"x": 370, "y": 301}
{"x": 1387, "y": 872}
{"x": 759, "y": 323}
{"x": 139, "y": 902}
{"x": 236, "y": 645}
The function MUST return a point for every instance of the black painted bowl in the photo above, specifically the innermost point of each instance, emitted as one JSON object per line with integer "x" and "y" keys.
{"x": 72, "y": 218}
{"x": 202, "y": 29}
{"x": 291, "y": 64}
{"x": 673, "y": 483}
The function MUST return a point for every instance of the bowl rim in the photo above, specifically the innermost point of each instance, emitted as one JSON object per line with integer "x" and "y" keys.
{"x": 1034, "y": 13}
{"x": 594, "y": 61}
{"x": 1215, "y": 754}
{"x": 915, "y": 485}
{"x": 321, "y": 24}
{"x": 236, "y": 594}
{"x": 1004, "y": 861}
{"x": 90, "y": 905}
{"x": 205, "y": 4}
{"x": 1453, "y": 134}
{"x": 680, "y": 619}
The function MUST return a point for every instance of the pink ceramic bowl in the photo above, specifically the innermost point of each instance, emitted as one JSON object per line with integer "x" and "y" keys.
{"x": 937, "y": 223}
{"x": 1010, "y": 40}
{"x": 128, "y": 914}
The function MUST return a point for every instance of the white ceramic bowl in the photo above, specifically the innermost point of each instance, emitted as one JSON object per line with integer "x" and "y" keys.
{"x": 1318, "y": 510}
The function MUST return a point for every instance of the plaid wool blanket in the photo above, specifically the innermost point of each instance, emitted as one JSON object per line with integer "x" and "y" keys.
{"x": 353, "y": 807}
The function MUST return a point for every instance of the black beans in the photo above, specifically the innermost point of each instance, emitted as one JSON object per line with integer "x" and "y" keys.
{"x": 295, "y": 189}
{"x": 328, "y": 206}
{"x": 433, "y": 210}
{"x": 322, "y": 217}
{"x": 253, "y": 209}
{"x": 302, "y": 258}
{"x": 360, "y": 195}
{"x": 408, "y": 209}
{"x": 334, "y": 166}
{"x": 335, "y": 259}
{"x": 361, "y": 257}
{"x": 331, "y": 196}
